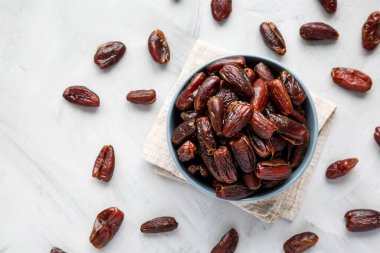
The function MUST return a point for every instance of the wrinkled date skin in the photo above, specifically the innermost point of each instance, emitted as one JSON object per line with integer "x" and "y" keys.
{"x": 280, "y": 96}
{"x": 361, "y": 220}
{"x": 341, "y": 168}
{"x": 221, "y": 9}
{"x": 251, "y": 74}
{"x": 376, "y": 135}
{"x": 159, "y": 47}
{"x": 300, "y": 242}
{"x": 210, "y": 164}
{"x": 296, "y": 93}
{"x": 371, "y": 31}
{"x": 187, "y": 151}
{"x": 237, "y": 80}
{"x": 56, "y": 250}
{"x": 106, "y": 225}
{"x": 208, "y": 89}
{"x": 81, "y": 95}
{"x": 225, "y": 165}
{"x": 233, "y": 191}
{"x": 214, "y": 67}
{"x": 263, "y": 148}
{"x": 104, "y": 164}
{"x": 318, "y": 31}
{"x": 205, "y": 135}
{"x": 237, "y": 116}
{"x": 228, "y": 96}
{"x": 273, "y": 38}
{"x": 200, "y": 168}
{"x": 351, "y": 79}
{"x": 273, "y": 170}
{"x": 109, "y": 54}
{"x": 183, "y": 131}
{"x": 142, "y": 97}
{"x": 243, "y": 152}
{"x": 263, "y": 72}
{"x": 262, "y": 126}
{"x": 290, "y": 130}
{"x": 185, "y": 100}
{"x": 330, "y": 6}
{"x": 228, "y": 243}
{"x": 251, "y": 181}
{"x": 159, "y": 225}
{"x": 216, "y": 111}
{"x": 260, "y": 95}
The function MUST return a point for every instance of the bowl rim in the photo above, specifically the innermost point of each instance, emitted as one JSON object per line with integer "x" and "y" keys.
{"x": 301, "y": 168}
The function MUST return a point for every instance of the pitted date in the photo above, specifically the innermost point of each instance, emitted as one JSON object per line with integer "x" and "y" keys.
{"x": 189, "y": 115}
{"x": 351, "y": 79}
{"x": 104, "y": 164}
{"x": 371, "y": 31}
{"x": 183, "y": 131}
{"x": 243, "y": 152}
{"x": 81, "y": 95}
{"x": 207, "y": 89}
{"x": 237, "y": 80}
{"x": 228, "y": 243}
{"x": 263, "y": 72}
{"x": 205, "y": 135}
{"x": 376, "y": 135}
{"x": 159, "y": 225}
{"x": 159, "y": 47}
{"x": 216, "y": 111}
{"x": 260, "y": 95}
{"x": 225, "y": 165}
{"x": 109, "y": 54}
{"x": 200, "y": 168}
{"x": 361, "y": 220}
{"x": 187, "y": 151}
{"x": 273, "y": 170}
{"x": 143, "y": 97}
{"x": 262, "y": 126}
{"x": 233, "y": 191}
{"x": 185, "y": 100}
{"x": 214, "y": 67}
{"x": 237, "y": 117}
{"x": 273, "y": 38}
{"x": 296, "y": 93}
{"x": 330, "y": 6}
{"x": 56, "y": 250}
{"x": 280, "y": 96}
{"x": 290, "y": 130}
{"x": 300, "y": 242}
{"x": 228, "y": 96}
{"x": 221, "y": 9}
{"x": 341, "y": 168}
{"x": 318, "y": 31}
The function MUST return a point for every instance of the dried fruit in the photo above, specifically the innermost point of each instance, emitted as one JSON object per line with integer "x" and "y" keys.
{"x": 216, "y": 111}
{"x": 280, "y": 96}
{"x": 296, "y": 93}
{"x": 377, "y": 135}
{"x": 237, "y": 80}
{"x": 273, "y": 170}
{"x": 225, "y": 165}
{"x": 318, "y": 31}
{"x": 330, "y": 6}
{"x": 262, "y": 148}
{"x": 187, "y": 151}
{"x": 251, "y": 181}
{"x": 251, "y": 74}
{"x": 228, "y": 96}
{"x": 233, "y": 191}
{"x": 56, "y": 250}
{"x": 217, "y": 65}
{"x": 208, "y": 89}
{"x": 361, "y": 220}
{"x": 185, "y": 116}
{"x": 371, "y": 31}
{"x": 183, "y": 131}
{"x": 158, "y": 47}
{"x": 205, "y": 136}
{"x": 298, "y": 153}
{"x": 104, "y": 164}
{"x": 159, "y": 225}
{"x": 210, "y": 164}
{"x": 109, "y": 54}
{"x": 263, "y": 71}
{"x": 341, "y": 168}
{"x": 295, "y": 115}
{"x": 81, "y": 95}
{"x": 143, "y": 97}
{"x": 278, "y": 142}
{"x": 290, "y": 130}
{"x": 260, "y": 95}
{"x": 185, "y": 100}
{"x": 300, "y": 242}
{"x": 271, "y": 184}
{"x": 221, "y": 9}
{"x": 243, "y": 152}
{"x": 351, "y": 79}
{"x": 272, "y": 37}
{"x": 237, "y": 116}
{"x": 200, "y": 168}
{"x": 228, "y": 243}
{"x": 262, "y": 126}
{"x": 106, "y": 224}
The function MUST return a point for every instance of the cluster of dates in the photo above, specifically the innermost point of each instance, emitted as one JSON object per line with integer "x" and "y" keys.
{"x": 243, "y": 130}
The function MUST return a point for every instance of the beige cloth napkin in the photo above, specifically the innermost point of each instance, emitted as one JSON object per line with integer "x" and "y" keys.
{"x": 286, "y": 204}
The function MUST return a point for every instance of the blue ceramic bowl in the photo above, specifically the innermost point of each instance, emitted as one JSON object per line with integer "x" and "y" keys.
{"x": 312, "y": 123}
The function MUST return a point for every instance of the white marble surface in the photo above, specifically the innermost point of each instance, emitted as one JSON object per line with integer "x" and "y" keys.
{"x": 48, "y": 146}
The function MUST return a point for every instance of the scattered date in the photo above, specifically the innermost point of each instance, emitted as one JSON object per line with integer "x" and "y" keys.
{"x": 159, "y": 47}
{"x": 143, "y": 97}
{"x": 81, "y": 95}
{"x": 221, "y": 9}
{"x": 104, "y": 164}
{"x": 273, "y": 37}
{"x": 228, "y": 243}
{"x": 159, "y": 225}
{"x": 109, "y": 54}
{"x": 341, "y": 168}
{"x": 361, "y": 220}
{"x": 56, "y": 250}
{"x": 371, "y": 31}
{"x": 351, "y": 79}
{"x": 300, "y": 242}
{"x": 318, "y": 31}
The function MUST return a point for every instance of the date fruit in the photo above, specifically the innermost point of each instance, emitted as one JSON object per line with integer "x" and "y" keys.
{"x": 251, "y": 74}
{"x": 237, "y": 116}
{"x": 273, "y": 38}
{"x": 216, "y": 111}
{"x": 185, "y": 100}
{"x": 81, "y": 95}
{"x": 187, "y": 151}
{"x": 233, "y": 191}
{"x": 361, "y": 220}
{"x": 143, "y": 97}
{"x": 104, "y": 164}
{"x": 109, "y": 54}
{"x": 228, "y": 96}
{"x": 200, "y": 168}
{"x": 159, "y": 225}
{"x": 263, "y": 71}
{"x": 221, "y": 9}
{"x": 205, "y": 136}
{"x": 376, "y": 135}
{"x": 217, "y": 65}
{"x": 243, "y": 152}
{"x": 106, "y": 224}
{"x": 183, "y": 131}
{"x": 251, "y": 181}
{"x": 263, "y": 148}
{"x": 330, "y": 6}
{"x": 371, "y": 31}
{"x": 159, "y": 47}
{"x": 298, "y": 153}
{"x": 341, "y": 168}
{"x": 260, "y": 95}
{"x": 225, "y": 165}
{"x": 237, "y": 80}
{"x": 56, "y": 250}
{"x": 262, "y": 126}
{"x": 296, "y": 93}
{"x": 290, "y": 130}
{"x": 273, "y": 170}
{"x": 228, "y": 243}
{"x": 280, "y": 97}
{"x": 351, "y": 79}
{"x": 300, "y": 242}
{"x": 318, "y": 31}
{"x": 207, "y": 89}
{"x": 185, "y": 116}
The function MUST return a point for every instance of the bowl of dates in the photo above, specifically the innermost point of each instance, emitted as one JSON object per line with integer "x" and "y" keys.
{"x": 242, "y": 128}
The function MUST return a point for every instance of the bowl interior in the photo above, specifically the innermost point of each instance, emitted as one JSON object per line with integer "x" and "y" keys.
{"x": 312, "y": 124}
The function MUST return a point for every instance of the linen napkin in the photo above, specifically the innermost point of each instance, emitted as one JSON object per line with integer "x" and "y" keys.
{"x": 285, "y": 205}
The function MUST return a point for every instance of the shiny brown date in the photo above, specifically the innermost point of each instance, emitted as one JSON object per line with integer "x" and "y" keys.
{"x": 214, "y": 67}
{"x": 228, "y": 243}
{"x": 298, "y": 154}
{"x": 210, "y": 164}
{"x": 81, "y": 95}
{"x": 376, "y": 135}
{"x": 216, "y": 111}
{"x": 243, "y": 152}
{"x": 205, "y": 136}
{"x": 330, "y": 6}
{"x": 263, "y": 72}
{"x": 200, "y": 168}
{"x": 187, "y": 151}
{"x": 251, "y": 181}
{"x": 237, "y": 80}
{"x": 225, "y": 165}
{"x": 228, "y": 96}
{"x": 159, "y": 47}
{"x": 185, "y": 100}
{"x": 296, "y": 116}
{"x": 262, "y": 126}
{"x": 56, "y": 250}
{"x": 278, "y": 142}
{"x": 361, "y": 220}
{"x": 104, "y": 164}
{"x": 109, "y": 54}
{"x": 107, "y": 223}
{"x": 262, "y": 148}
{"x": 318, "y": 31}
{"x": 273, "y": 170}
{"x": 143, "y": 97}
{"x": 280, "y": 97}
{"x": 251, "y": 74}
{"x": 300, "y": 242}
{"x": 188, "y": 115}
{"x": 221, "y": 9}
{"x": 233, "y": 191}
{"x": 290, "y": 130}
{"x": 260, "y": 95}
{"x": 159, "y": 225}
{"x": 183, "y": 131}
{"x": 273, "y": 38}
{"x": 371, "y": 31}
{"x": 296, "y": 93}
{"x": 208, "y": 89}
{"x": 341, "y": 168}
{"x": 237, "y": 116}
{"x": 351, "y": 79}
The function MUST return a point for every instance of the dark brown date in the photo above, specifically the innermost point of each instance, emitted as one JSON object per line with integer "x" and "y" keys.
{"x": 278, "y": 142}
{"x": 228, "y": 243}
{"x": 243, "y": 152}
{"x": 270, "y": 109}
{"x": 300, "y": 242}
{"x": 376, "y": 135}
{"x": 237, "y": 116}
{"x": 221, "y": 9}
{"x": 318, "y": 31}
{"x": 273, "y": 170}
{"x": 237, "y": 80}
{"x": 104, "y": 164}
{"x": 159, "y": 47}
{"x": 290, "y": 130}
{"x": 296, "y": 116}
{"x": 185, "y": 116}
{"x": 187, "y": 151}
{"x": 207, "y": 89}
{"x": 260, "y": 95}
{"x": 273, "y": 38}
{"x": 183, "y": 131}
{"x": 81, "y": 95}
{"x": 233, "y": 191}
{"x": 351, "y": 79}
{"x": 216, "y": 111}
{"x": 251, "y": 74}
{"x": 330, "y": 6}
{"x": 271, "y": 184}
{"x": 205, "y": 136}
{"x": 185, "y": 100}
{"x": 109, "y": 54}
{"x": 200, "y": 168}
{"x": 225, "y": 165}
{"x": 361, "y": 220}
{"x": 262, "y": 126}
{"x": 228, "y": 96}
{"x": 107, "y": 223}
{"x": 341, "y": 168}
{"x": 251, "y": 181}
{"x": 262, "y": 148}
{"x": 143, "y": 97}
{"x": 371, "y": 31}
{"x": 280, "y": 97}
{"x": 296, "y": 93}
{"x": 210, "y": 164}
{"x": 159, "y": 225}
{"x": 56, "y": 250}
{"x": 263, "y": 72}
{"x": 214, "y": 67}
{"x": 298, "y": 153}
